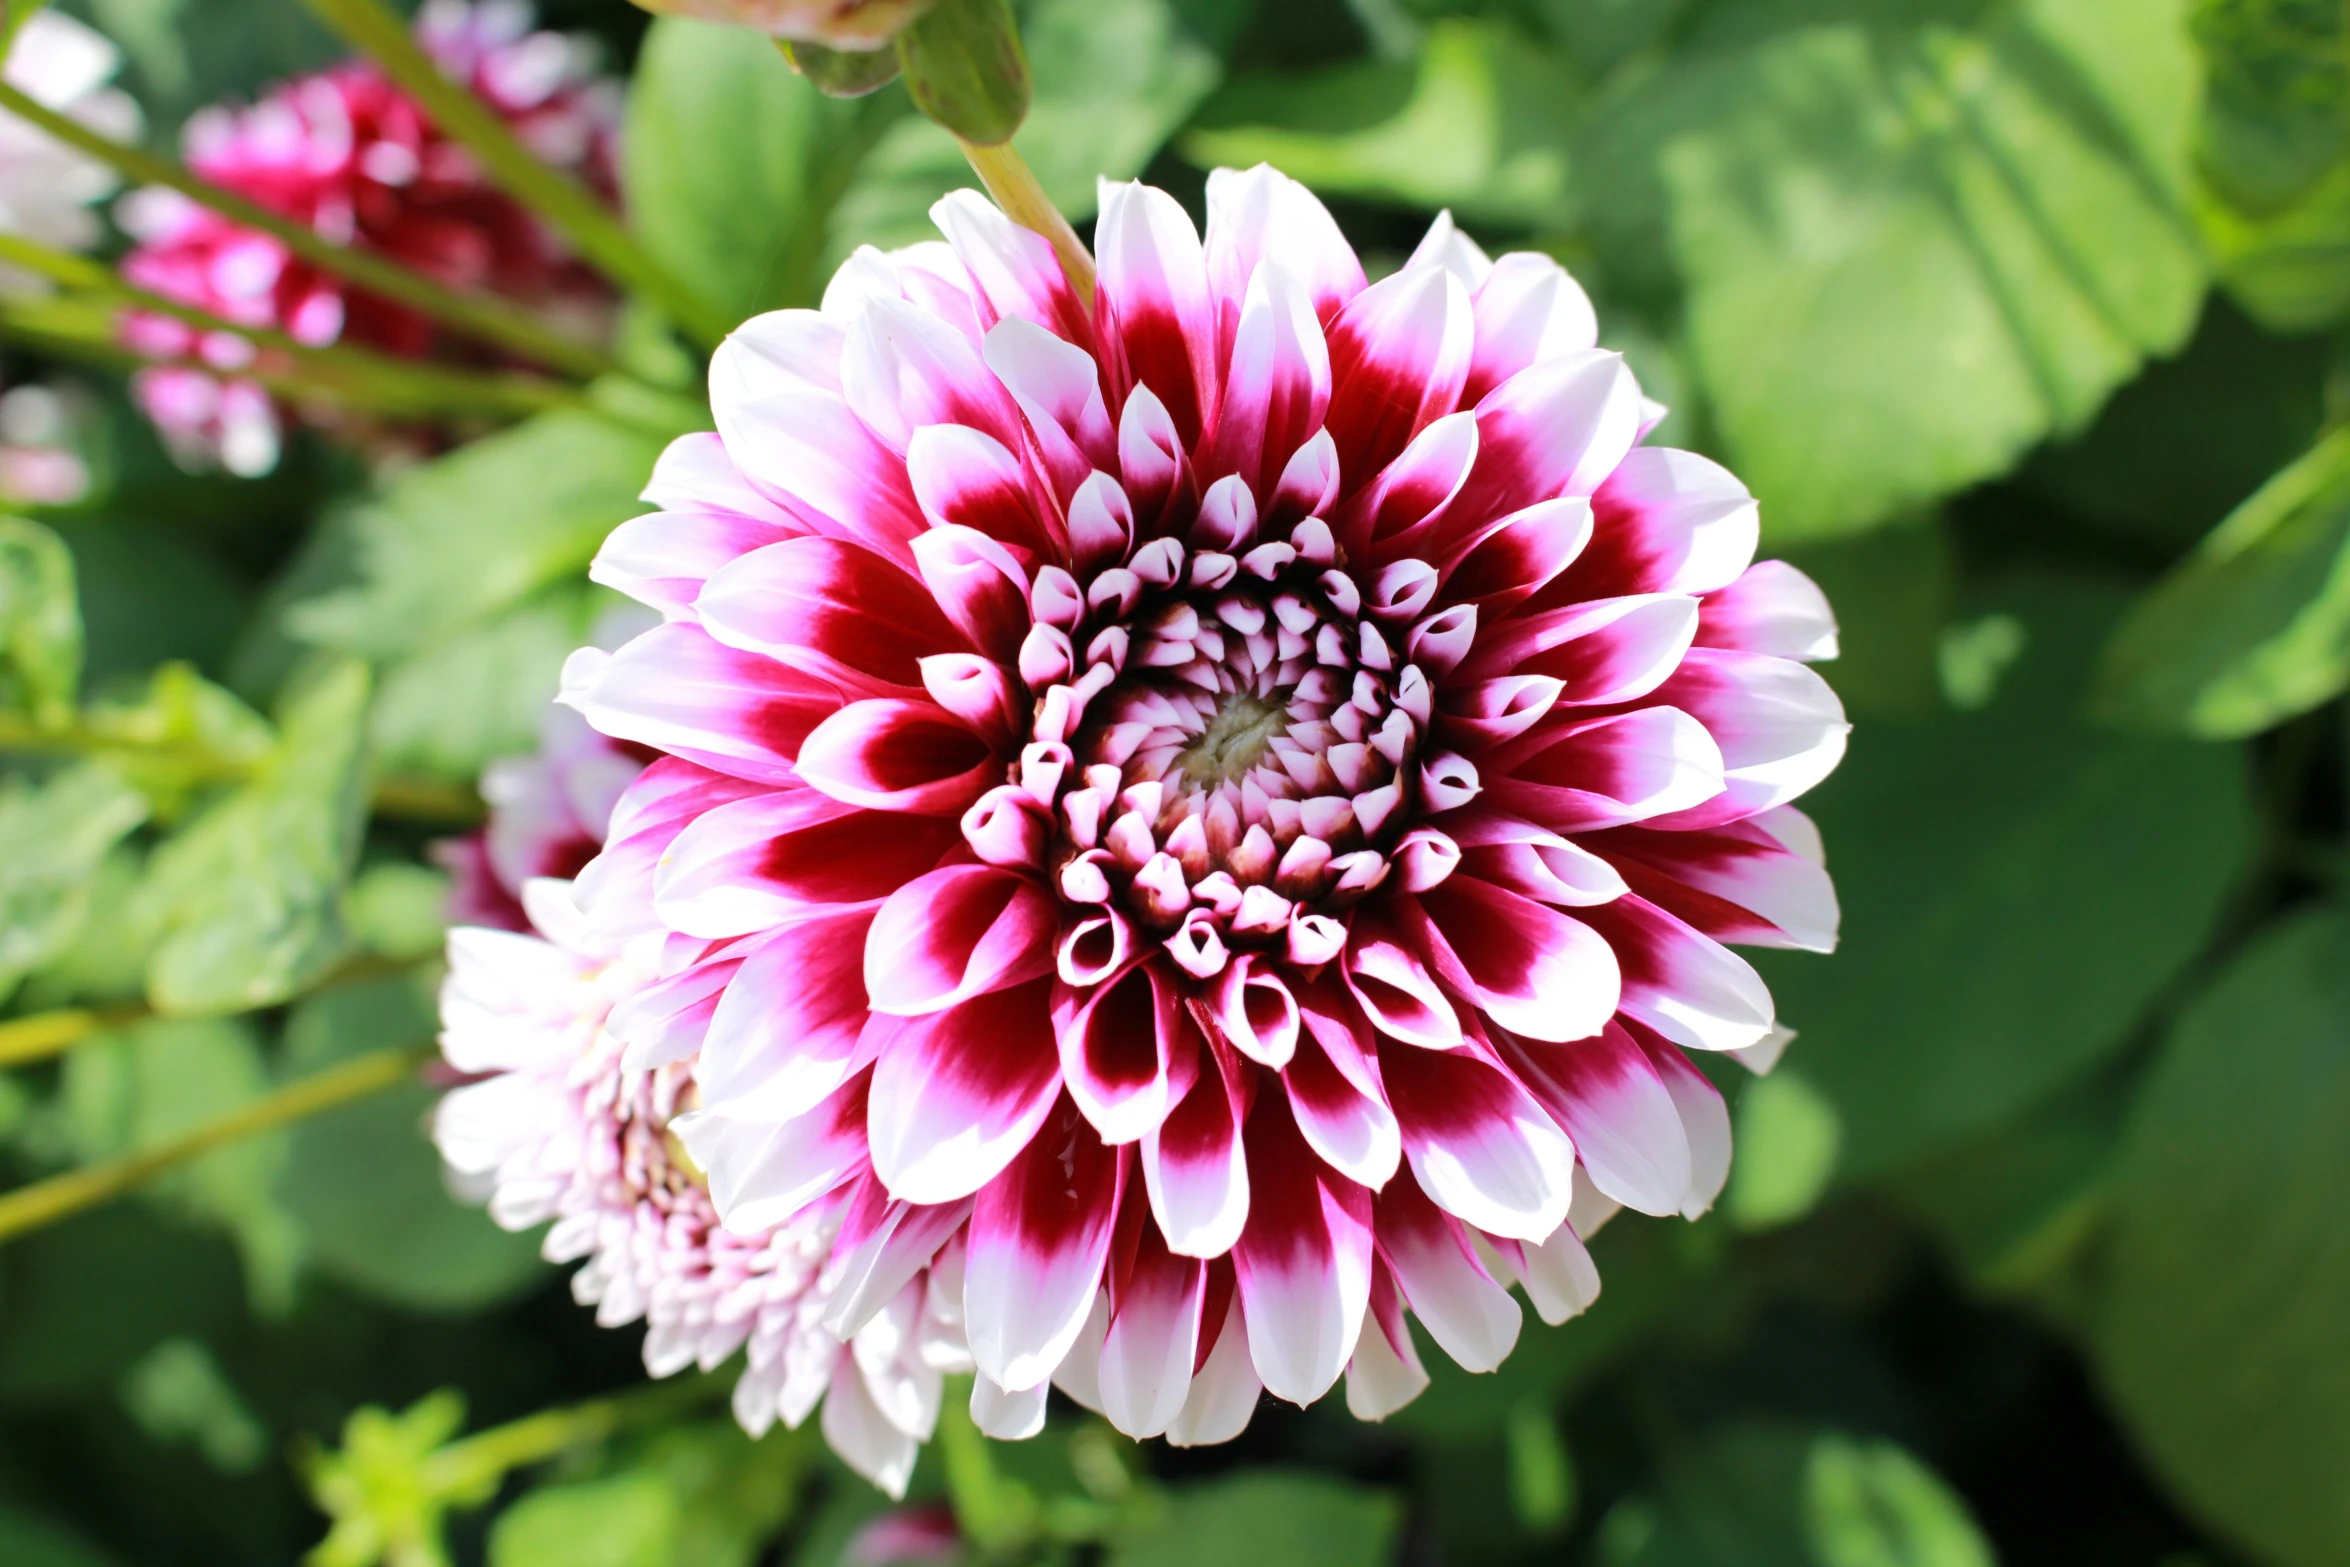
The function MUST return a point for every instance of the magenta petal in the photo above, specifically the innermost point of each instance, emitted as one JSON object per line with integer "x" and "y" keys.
{"x": 1479, "y": 1144}
{"x": 903, "y": 368}
{"x": 678, "y": 690}
{"x": 1681, "y": 982}
{"x": 1385, "y": 1373}
{"x": 1530, "y": 968}
{"x": 1277, "y": 388}
{"x": 968, "y": 478}
{"x": 958, "y": 932}
{"x": 762, "y": 1174}
{"x": 747, "y": 865}
{"x": 1259, "y": 214}
{"x": 881, "y": 1246}
{"x": 1194, "y": 1165}
{"x": 1014, "y": 269}
{"x": 1772, "y": 608}
{"x": 694, "y": 474}
{"x": 1704, "y": 1118}
{"x": 1304, "y": 1259}
{"x": 1607, "y": 772}
{"x": 888, "y": 755}
{"x": 1626, "y": 1128}
{"x": 1395, "y": 989}
{"x": 1780, "y": 728}
{"x": 977, "y": 585}
{"x": 1335, "y": 1093}
{"x": 1528, "y": 311}
{"x": 1154, "y": 302}
{"x": 1669, "y": 522}
{"x": 1556, "y": 428}
{"x": 1736, "y": 883}
{"x": 1144, "y": 1371}
{"x": 956, "y": 1095}
{"x": 1040, "y": 1234}
{"x": 1399, "y": 355}
{"x": 663, "y": 558}
{"x": 1470, "y": 1316}
{"x": 834, "y": 610}
{"x": 807, "y": 451}
{"x": 790, "y": 1028}
{"x": 1128, "y": 1053}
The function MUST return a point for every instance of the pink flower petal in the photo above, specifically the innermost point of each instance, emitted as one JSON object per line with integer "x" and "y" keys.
{"x": 911, "y": 757}
{"x": 751, "y": 864}
{"x": 1128, "y": 1052}
{"x": 1471, "y": 1317}
{"x": 762, "y": 1174}
{"x": 1530, "y": 968}
{"x": 833, "y": 610}
{"x": 1772, "y": 608}
{"x": 791, "y": 1026}
{"x": 957, "y": 1094}
{"x": 1479, "y": 1144}
{"x": 1040, "y": 1234}
{"x": 1154, "y": 1328}
{"x": 1681, "y": 982}
{"x": 1195, "y": 1167}
{"x": 1303, "y": 1261}
{"x": 1626, "y": 1128}
{"x": 676, "y": 689}
{"x": 1528, "y": 311}
{"x": 957, "y": 932}
{"x": 1154, "y": 302}
{"x": 1385, "y": 1373}
{"x": 1399, "y": 355}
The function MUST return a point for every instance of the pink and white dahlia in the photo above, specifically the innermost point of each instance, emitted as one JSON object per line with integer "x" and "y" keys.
{"x": 1232, "y": 799}
{"x": 556, "y": 1123}
{"x": 348, "y": 153}
{"x": 47, "y": 189}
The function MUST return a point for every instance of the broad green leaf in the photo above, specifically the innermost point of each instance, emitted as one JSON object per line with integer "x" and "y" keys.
{"x": 366, "y": 1181}
{"x": 149, "y": 594}
{"x": 2017, "y": 887}
{"x": 1298, "y": 1518}
{"x": 1787, "y": 1136}
{"x": 1869, "y": 1504}
{"x": 248, "y": 895}
{"x": 53, "y": 835}
{"x": 1914, "y": 249}
{"x": 104, "y": 958}
{"x": 731, "y": 161}
{"x": 1760, "y": 1495}
{"x": 80, "y": 1301}
{"x": 1481, "y": 126}
{"x": 455, "y": 541}
{"x": 626, "y": 1520}
{"x": 2275, "y": 156}
{"x": 40, "y": 623}
{"x": 483, "y": 691}
{"x": 2224, "y": 1329}
{"x": 177, "y": 737}
{"x": 29, "y": 1540}
{"x": 150, "y": 1082}
{"x": 1113, "y": 79}
{"x": 399, "y": 910}
{"x": 1892, "y": 591}
{"x": 178, "y": 1394}
{"x": 2253, "y": 627}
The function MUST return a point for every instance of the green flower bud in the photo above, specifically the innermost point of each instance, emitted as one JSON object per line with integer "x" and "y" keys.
{"x": 965, "y": 68}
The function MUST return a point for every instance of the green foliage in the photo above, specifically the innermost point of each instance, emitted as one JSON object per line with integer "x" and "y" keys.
{"x": 1269, "y": 1516}
{"x": 1788, "y": 1135}
{"x": 2254, "y": 626}
{"x": 701, "y": 1496}
{"x": 2017, "y": 889}
{"x": 2224, "y": 1324}
{"x": 40, "y": 624}
{"x": 27, "y": 1540}
{"x": 248, "y": 896}
{"x": 53, "y": 836}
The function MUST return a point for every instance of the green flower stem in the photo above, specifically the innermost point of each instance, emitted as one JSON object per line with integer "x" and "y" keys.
{"x": 1012, "y": 183}
{"x": 45, "y": 1202}
{"x": 575, "y": 211}
{"x": 492, "y": 321}
{"x": 347, "y": 375}
{"x": 40, "y": 1035}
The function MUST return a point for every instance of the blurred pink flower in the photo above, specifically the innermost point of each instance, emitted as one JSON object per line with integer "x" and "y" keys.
{"x": 553, "y": 1123}
{"x": 1232, "y": 800}
{"x": 547, "y": 816}
{"x": 348, "y": 153}
{"x": 47, "y": 188}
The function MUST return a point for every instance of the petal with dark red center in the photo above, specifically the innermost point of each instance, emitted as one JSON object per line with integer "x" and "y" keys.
{"x": 903, "y": 368}
{"x": 1609, "y": 771}
{"x": 1626, "y": 1128}
{"x": 1479, "y": 1144}
{"x": 1471, "y": 1317}
{"x": 1772, "y": 608}
{"x": 1532, "y": 861}
{"x": 912, "y": 757}
{"x": 882, "y": 1244}
{"x": 1260, "y": 213}
{"x": 1303, "y": 1261}
{"x": 1511, "y": 561}
{"x": 1667, "y": 522}
{"x": 1555, "y": 428}
{"x": 969, "y": 478}
{"x": 977, "y": 585}
{"x": 958, "y": 932}
{"x": 663, "y": 558}
{"x": 1393, "y": 516}
{"x": 1680, "y": 982}
{"x": 1040, "y": 1233}
{"x": 1128, "y": 1053}
{"x": 1780, "y": 727}
{"x": 1530, "y": 968}
{"x": 678, "y": 690}
{"x": 834, "y": 610}
{"x": 1399, "y": 355}
{"x": 756, "y": 862}
{"x": 1394, "y": 988}
{"x": 1705, "y": 1119}
{"x": 791, "y": 1026}
{"x": 1735, "y": 883}
{"x": 1194, "y": 1166}
{"x": 1014, "y": 269}
{"x": 1059, "y": 389}
{"x": 1278, "y": 386}
{"x": 1154, "y": 302}
{"x": 1528, "y": 310}
{"x": 808, "y": 452}
{"x": 1341, "y": 1109}
{"x": 956, "y": 1095}
{"x": 1605, "y": 652}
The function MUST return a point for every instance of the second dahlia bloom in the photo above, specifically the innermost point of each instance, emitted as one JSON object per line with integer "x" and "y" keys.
{"x": 1231, "y": 800}
{"x": 347, "y": 152}
{"x": 47, "y": 188}
{"x": 556, "y": 1123}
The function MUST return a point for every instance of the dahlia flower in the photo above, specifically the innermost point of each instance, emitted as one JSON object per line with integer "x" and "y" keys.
{"x": 348, "y": 153}
{"x": 556, "y": 1123}
{"x": 1231, "y": 801}
{"x": 46, "y": 187}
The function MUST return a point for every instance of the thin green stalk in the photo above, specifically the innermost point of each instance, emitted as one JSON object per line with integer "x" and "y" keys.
{"x": 45, "y": 1202}
{"x": 1014, "y": 186}
{"x": 40, "y": 1035}
{"x": 350, "y": 375}
{"x": 575, "y": 211}
{"x": 492, "y": 321}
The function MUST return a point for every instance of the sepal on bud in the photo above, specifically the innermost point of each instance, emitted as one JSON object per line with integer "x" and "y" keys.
{"x": 841, "y": 73}
{"x": 966, "y": 70}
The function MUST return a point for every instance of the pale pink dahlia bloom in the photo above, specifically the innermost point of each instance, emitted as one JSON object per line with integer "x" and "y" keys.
{"x": 1232, "y": 800}
{"x": 557, "y": 1124}
{"x": 347, "y": 152}
{"x": 47, "y": 189}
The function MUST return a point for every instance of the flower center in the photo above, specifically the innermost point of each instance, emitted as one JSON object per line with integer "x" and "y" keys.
{"x": 1229, "y": 752}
